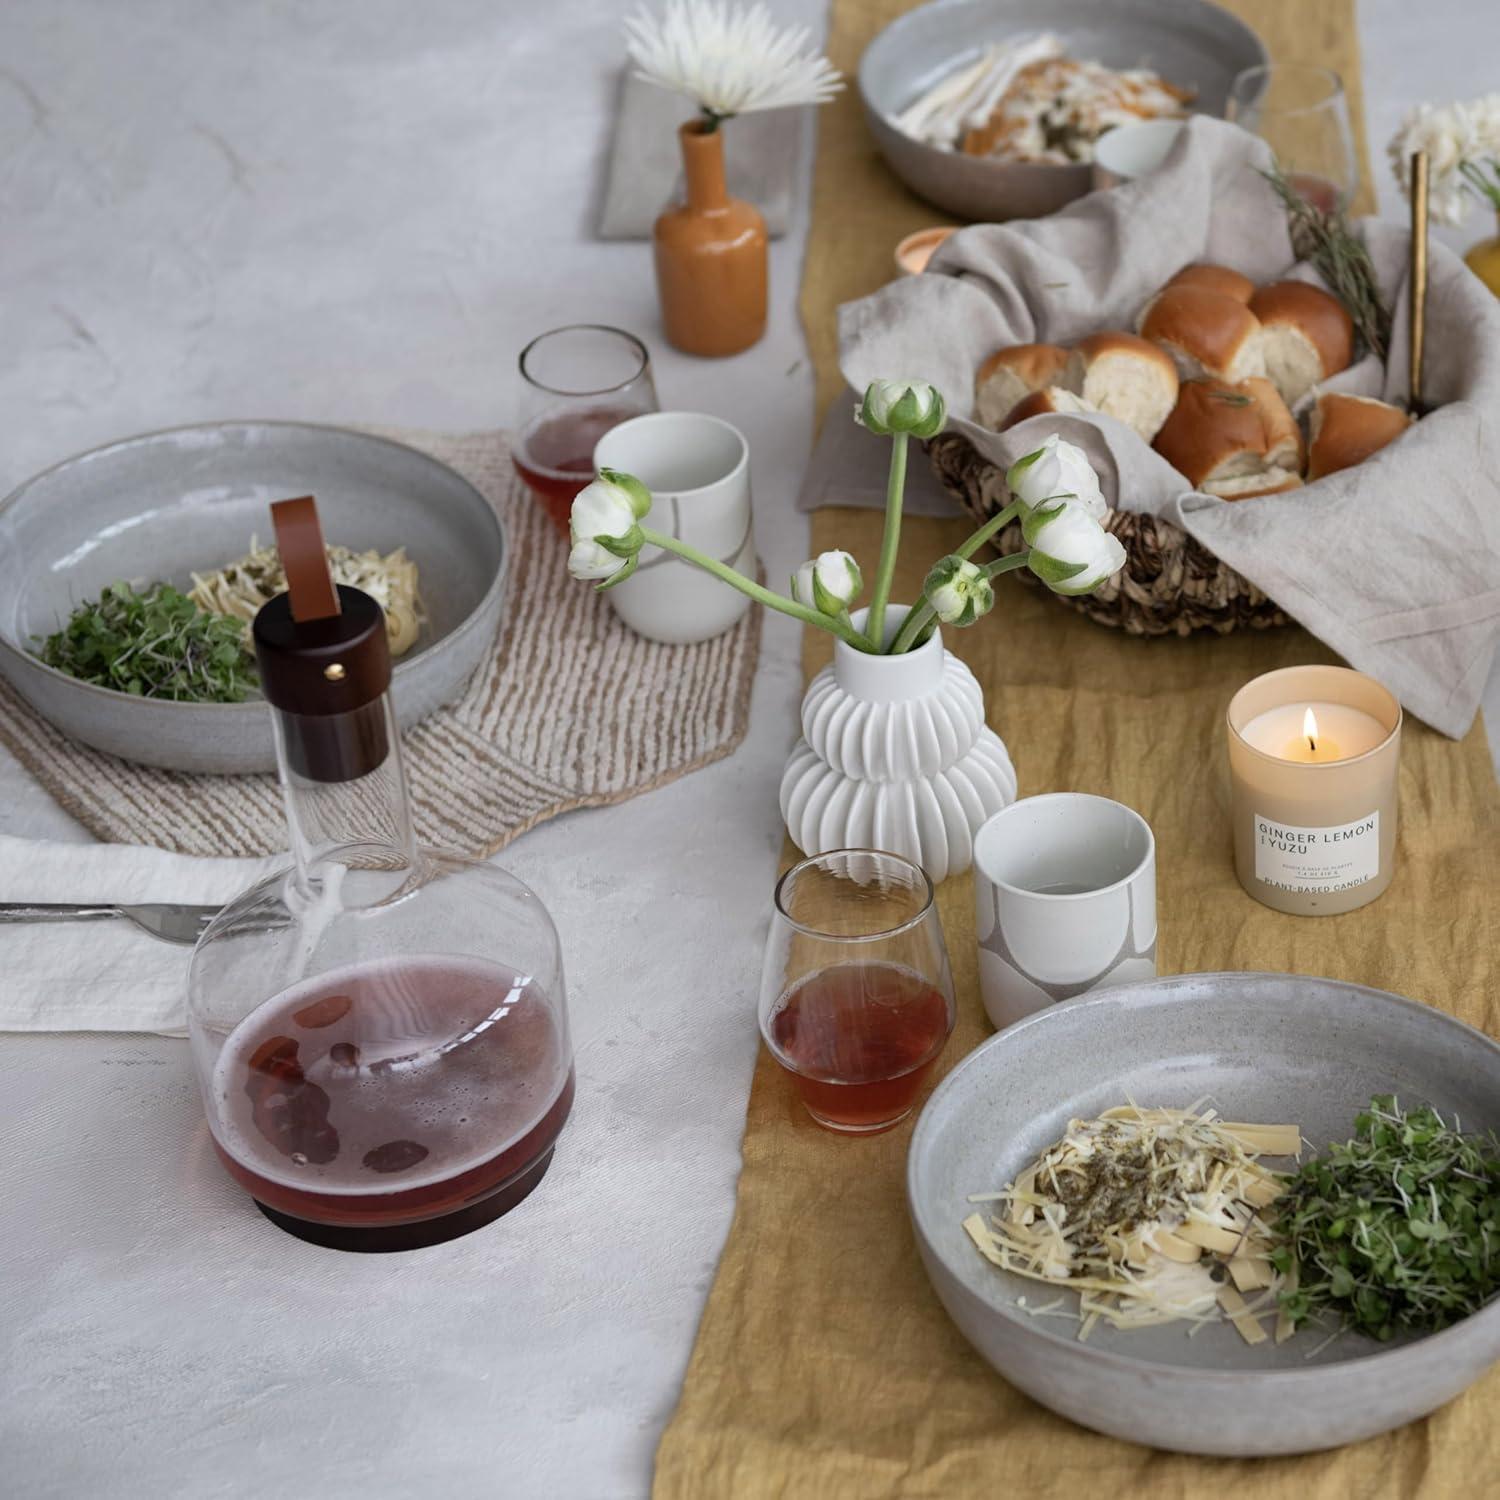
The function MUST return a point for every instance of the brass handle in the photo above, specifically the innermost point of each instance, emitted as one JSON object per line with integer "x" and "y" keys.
{"x": 1418, "y": 276}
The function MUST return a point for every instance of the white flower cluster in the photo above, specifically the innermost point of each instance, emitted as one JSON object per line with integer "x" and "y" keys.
{"x": 1462, "y": 142}
{"x": 733, "y": 60}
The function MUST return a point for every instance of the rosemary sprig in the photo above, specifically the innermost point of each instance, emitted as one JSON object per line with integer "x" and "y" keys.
{"x": 155, "y": 644}
{"x": 1399, "y": 1229}
{"x": 1340, "y": 258}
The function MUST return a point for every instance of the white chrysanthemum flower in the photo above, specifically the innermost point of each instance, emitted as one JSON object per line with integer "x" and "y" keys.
{"x": 1462, "y": 142}
{"x": 733, "y": 60}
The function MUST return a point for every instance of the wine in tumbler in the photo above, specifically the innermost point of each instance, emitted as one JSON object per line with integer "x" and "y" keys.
{"x": 856, "y": 994}
{"x": 576, "y": 384}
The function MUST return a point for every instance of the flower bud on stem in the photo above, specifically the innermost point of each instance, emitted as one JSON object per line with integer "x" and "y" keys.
{"x": 841, "y": 627}
{"x": 917, "y": 626}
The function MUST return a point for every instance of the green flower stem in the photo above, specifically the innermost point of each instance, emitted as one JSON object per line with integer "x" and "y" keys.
{"x": 840, "y": 627}
{"x": 889, "y": 545}
{"x": 915, "y": 627}
{"x": 921, "y": 615}
{"x": 1006, "y": 564}
{"x": 995, "y": 524}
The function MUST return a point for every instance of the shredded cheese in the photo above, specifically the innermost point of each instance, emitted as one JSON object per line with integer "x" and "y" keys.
{"x": 1151, "y": 1215}
{"x": 241, "y": 587}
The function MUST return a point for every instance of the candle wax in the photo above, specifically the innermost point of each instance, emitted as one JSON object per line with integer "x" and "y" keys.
{"x": 1342, "y": 732}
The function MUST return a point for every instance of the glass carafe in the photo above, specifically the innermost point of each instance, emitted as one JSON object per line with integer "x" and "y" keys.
{"x": 380, "y": 1030}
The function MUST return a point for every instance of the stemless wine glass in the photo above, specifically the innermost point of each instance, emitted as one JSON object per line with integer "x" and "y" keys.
{"x": 856, "y": 996}
{"x": 1301, "y": 112}
{"x": 576, "y": 383}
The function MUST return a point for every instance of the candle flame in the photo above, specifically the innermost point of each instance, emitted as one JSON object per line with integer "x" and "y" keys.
{"x": 1310, "y": 728}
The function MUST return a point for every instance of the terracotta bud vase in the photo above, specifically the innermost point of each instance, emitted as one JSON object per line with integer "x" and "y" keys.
{"x": 710, "y": 257}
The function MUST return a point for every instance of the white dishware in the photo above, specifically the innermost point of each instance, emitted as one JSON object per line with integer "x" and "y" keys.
{"x": 1130, "y": 151}
{"x": 1262, "y": 1047}
{"x": 1064, "y": 901}
{"x": 895, "y": 755}
{"x": 166, "y": 505}
{"x": 1185, "y": 41}
{"x": 697, "y": 468}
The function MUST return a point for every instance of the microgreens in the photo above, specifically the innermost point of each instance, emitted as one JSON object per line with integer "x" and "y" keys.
{"x": 1399, "y": 1229}
{"x": 154, "y": 644}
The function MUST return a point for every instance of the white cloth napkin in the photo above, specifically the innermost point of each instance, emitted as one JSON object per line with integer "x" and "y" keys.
{"x": 103, "y": 975}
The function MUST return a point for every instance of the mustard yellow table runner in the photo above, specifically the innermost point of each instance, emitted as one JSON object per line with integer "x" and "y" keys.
{"x": 824, "y": 1365}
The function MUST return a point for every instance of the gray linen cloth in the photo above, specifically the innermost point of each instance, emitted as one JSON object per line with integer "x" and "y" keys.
{"x": 1395, "y": 564}
{"x": 761, "y": 155}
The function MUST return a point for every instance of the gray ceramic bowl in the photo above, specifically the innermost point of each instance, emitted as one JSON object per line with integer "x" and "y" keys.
{"x": 1268, "y": 1047}
{"x": 168, "y": 503}
{"x": 1189, "y": 42}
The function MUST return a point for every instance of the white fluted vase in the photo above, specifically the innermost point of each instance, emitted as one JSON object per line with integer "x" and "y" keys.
{"x": 895, "y": 755}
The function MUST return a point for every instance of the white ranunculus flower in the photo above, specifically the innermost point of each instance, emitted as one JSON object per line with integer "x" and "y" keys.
{"x": 912, "y": 406}
{"x": 828, "y": 583}
{"x": 1070, "y": 551}
{"x": 588, "y": 559}
{"x": 604, "y": 526}
{"x": 959, "y": 591}
{"x": 1057, "y": 470}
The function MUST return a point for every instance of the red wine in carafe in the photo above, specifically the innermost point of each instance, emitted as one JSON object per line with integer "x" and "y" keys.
{"x": 393, "y": 1093}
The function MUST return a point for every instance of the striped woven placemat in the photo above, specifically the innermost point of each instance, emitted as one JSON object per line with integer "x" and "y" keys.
{"x": 572, "y": 709}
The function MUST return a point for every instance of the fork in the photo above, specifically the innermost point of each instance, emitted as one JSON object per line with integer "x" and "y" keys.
{"x": 169, "y": 921}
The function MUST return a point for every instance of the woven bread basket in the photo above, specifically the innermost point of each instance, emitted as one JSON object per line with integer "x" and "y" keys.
{"x": 1170, "y": 584}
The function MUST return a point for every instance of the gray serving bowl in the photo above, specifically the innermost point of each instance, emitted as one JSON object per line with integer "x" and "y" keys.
{"x": 1189, "y": 42}
{"x": 161, "y": 506}
{"x": 1267, "y": 1047}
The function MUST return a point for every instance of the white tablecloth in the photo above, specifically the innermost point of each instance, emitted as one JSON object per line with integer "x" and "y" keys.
{"x": 350, "y": 212}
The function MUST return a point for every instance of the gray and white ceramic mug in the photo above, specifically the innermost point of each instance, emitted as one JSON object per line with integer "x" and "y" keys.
{"x": 1065, "y": 901}
{"x": 697, "y": 468}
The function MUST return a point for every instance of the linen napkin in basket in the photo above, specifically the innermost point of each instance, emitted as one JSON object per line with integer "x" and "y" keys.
{"x": 1395, "y": 564}
{"x": 103, "y": 975}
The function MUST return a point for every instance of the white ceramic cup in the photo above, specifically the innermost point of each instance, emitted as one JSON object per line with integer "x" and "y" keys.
{"x": 1130, "y": 151}
{"x": 1064, "y": 901}
{"x": 697, "y": 468}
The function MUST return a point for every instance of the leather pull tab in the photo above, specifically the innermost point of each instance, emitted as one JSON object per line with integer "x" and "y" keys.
{"x": 299, "y": 540}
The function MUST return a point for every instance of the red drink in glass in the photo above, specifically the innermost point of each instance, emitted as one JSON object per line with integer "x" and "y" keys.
{"x": 393, "y": 1104}
{"x": 857, "y": 1040}
{"x": 576, "y": 383}
{"x": 1325, "y": 196}
{"x": 555, "y": 453}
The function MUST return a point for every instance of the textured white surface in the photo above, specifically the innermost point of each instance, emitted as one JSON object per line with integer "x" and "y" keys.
{"x": 359, "y": 213}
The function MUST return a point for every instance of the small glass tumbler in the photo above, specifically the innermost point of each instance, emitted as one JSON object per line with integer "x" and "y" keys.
{"x": 856, "y": 997}
{"x": 1301, "y": 112}
{"x": 576, "y": 383}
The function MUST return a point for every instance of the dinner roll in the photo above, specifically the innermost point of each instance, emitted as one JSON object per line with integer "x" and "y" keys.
{"x": 1215, "y": 279}
{"x": 1205, "y": 332}
{"x": 1346, "y": 430}
{"x": 1009, "y": 374}
{"x": 1126, "y": 377}
{"x": 1306, "y": 336}
{"x": 1233, "y": 441}
{"x": 1051, "y": 398}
